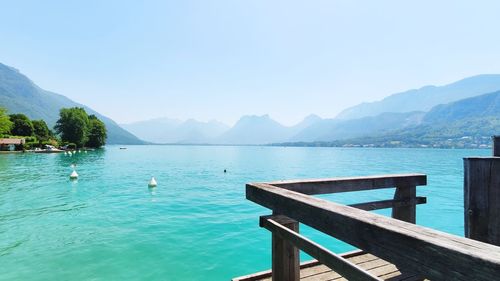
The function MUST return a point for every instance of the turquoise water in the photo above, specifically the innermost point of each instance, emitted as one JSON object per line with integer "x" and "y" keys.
{"x": 196, "y": 225}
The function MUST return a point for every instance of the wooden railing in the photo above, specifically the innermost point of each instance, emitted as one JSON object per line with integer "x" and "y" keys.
{"x": 403, "y": 203}
{"x": 430, "y": 253}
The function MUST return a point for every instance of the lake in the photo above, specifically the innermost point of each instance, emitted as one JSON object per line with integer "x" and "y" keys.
{"x": 197, "y": 223}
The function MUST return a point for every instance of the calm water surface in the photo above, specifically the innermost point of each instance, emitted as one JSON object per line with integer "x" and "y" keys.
{"x": 196, "y": 225}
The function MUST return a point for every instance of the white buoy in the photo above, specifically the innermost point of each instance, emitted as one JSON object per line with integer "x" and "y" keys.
{"x": 65, "y": 153}
{"x": 152, "y": 182}
{"x": 85, "y": 151}
{"x": 73, "y": 175}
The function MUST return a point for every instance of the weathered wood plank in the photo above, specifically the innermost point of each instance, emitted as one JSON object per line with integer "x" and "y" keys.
{"x": 323, "y": 255}
{"x": 366, "y": 261}
{"x": 304, "y": 266}
{"x": 387, "y": 268}
{"x": 377, "y": 267}
{"x": 405, "y": 213}
{"x": 285, "y": 255}
{"x": 431, "y": 253}
{"x": 482, "y": 199}
{"x": 314, "y": 271}
{"x": 496, "y": 146}
{"x": 385, "y": 204}
{"x": 335, "y": 185}
{"x": 267, "y": 274}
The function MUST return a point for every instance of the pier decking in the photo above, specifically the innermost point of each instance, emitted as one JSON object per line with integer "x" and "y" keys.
{"x": 390, "y": 248}
{"x": 314, "y": 270}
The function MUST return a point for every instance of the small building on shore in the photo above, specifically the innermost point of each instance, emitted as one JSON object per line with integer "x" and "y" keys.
{"x": 11, "y": 144}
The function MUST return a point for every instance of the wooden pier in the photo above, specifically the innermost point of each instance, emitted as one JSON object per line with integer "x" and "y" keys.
{"x": 389, "y": 248}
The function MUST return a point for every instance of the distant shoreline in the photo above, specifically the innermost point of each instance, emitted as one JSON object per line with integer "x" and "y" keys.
{"x": 287, "y": 145}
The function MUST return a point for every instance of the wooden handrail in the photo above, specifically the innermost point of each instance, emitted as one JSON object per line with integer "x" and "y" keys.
{"x": 342, "y": 266}
{"x": 434, "y": 254}
{"x": 336, "y": 185}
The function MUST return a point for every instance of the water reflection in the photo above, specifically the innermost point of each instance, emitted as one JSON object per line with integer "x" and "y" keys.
{"x": 152, "y": 193}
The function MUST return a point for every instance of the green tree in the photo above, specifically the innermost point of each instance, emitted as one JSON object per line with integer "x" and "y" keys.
{"x": 73, "y": 125}
{"x": 41, "y": 130}
{"x": 22, "y": 125}
{"x": 97, "y": 132}
{"x": 5, "y": 123}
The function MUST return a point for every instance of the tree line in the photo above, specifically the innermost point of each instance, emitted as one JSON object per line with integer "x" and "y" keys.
{"x": 74, "y": 127}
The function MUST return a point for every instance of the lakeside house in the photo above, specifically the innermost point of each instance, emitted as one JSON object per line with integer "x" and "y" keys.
{"x": 11, "y": 144}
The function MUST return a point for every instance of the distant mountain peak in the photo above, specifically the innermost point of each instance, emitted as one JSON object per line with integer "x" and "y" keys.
{"x": 252, "y": 116}
{"x": 312, "y": 117}
{"x": 190, "y": 131}
{"x": 255, "y": 119}
{"x": 254, "y": 129}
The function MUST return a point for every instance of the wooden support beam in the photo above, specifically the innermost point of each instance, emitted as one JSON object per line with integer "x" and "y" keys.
{"x": 496, "y": 146}
{"x": 385, "y": 204}
{"x": 405, "y": 213}
{"x": 433, "y": 254}
{"x": 482, "y": 199}
{"x": 336, "y": 185}
{"x": 285, "y": 256}
{"x": 340, "y": 265}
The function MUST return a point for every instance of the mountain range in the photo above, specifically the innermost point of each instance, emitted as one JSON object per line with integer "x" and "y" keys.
{"x": 465, "y": 123}
{"x": 469, "y": 106}
{"x": 395, "y": 113}
{"x": 425, "y": 98}
{"x": 166, "y": 130}
{"x": 249, "y": 130}
{"x": 18, "y": 94}
{"x": 262, "y": 130}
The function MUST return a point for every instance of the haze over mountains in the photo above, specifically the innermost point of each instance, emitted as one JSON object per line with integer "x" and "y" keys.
{"x": 263, "y": 130}
{"x": 469, "y": 106}
{"x": 392, "y": 114}
{"x": 425, "y": 98}
{"x": 166, "y": 130}
{"x": 250, "y": 129}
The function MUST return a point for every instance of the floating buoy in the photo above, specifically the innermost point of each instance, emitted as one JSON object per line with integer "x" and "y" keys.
{"x": 65, "y": 153}
{"x": 85, "y": 151}
{"x": 152, "y": 182}
{"x": 225, "y": 171}
{"x": 73, "y": 175}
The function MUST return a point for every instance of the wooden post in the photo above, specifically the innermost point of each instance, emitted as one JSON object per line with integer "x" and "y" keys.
{"x": 496, "y": 146}
{"x": 406, "y": 213}
{"x": 286, "y": 260}
{"x": 482, "y": 196}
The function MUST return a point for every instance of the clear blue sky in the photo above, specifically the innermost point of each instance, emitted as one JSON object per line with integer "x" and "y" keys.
{"x": 135, "y": 60}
